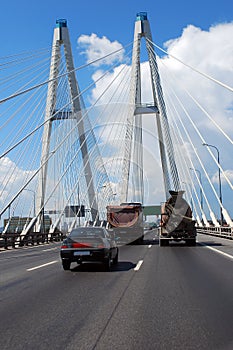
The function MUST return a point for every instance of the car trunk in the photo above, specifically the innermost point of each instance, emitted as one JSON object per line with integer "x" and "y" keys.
{"x": 86, "y": 242}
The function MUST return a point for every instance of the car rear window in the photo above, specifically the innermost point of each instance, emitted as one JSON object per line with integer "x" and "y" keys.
{"x": 87, "y": 232}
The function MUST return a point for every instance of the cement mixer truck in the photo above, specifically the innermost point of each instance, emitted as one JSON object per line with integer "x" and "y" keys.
{"x": 176, "y": 221}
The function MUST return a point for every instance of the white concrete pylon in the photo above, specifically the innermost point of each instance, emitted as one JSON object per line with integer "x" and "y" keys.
{"x": 134, "y": 119}
{"x": 61, "y": 37}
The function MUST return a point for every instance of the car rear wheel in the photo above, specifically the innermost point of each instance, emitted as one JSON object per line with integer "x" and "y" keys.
{"x": 107, "y": 264}
{"x": 66, "y": 264}
{"x": 115, "y": 260}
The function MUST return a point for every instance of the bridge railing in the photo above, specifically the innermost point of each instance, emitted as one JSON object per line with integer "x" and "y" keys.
{"x": 225, "y": 232}
{"x": 13, "y": 240}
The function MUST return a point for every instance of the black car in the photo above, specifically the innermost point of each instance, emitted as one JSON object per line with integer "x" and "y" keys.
{"x": 85, "y": 244}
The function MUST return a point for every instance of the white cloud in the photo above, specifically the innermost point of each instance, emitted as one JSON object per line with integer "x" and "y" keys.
{"x": 210, "y": 52}
{"x": 228, "y": 173}
{"x": 12, "y": 178}
{"x": 95, "y": 48}
{"x": 115, "y": 80}
{"x": 204, "y": 49}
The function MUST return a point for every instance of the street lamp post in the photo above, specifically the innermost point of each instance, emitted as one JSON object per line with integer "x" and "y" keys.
{"x": 97, "y": 198}
{"x": 114, "y": 196}
{"x": 79, "y": 203}
{"x": 201, "y": 194}
{"x": 191, "y": 200}
{"x": 79, "y": 207}
{"x": 219, "y": 180}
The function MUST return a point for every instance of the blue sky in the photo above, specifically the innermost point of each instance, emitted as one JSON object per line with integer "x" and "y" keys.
{"x": 29, "y": 24}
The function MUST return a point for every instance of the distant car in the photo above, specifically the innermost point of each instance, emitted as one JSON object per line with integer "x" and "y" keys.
{"x": 153, "y": 226}
{"x": 85, "y": 244}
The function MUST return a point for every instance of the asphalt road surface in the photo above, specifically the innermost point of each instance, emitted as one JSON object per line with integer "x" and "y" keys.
{"x": 174, "y": 297}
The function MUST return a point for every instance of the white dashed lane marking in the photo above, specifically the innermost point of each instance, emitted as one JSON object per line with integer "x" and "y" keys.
{"x": 216, "y": 250}
{"x": 139, "y": 264}
{"x": 40, "y": 266}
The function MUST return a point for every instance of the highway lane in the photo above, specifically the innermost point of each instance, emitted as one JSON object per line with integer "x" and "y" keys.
{"x": 15, "y": 262}
{"x": 179, "y": 298}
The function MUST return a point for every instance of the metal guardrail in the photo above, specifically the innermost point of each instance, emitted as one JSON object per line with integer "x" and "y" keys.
{"x": 13, "y": 240}
{"x": 224, "y": 232}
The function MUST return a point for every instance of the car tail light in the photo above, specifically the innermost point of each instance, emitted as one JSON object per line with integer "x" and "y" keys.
{"x": 64, "y": 246}
{"x": 81, "y": 245}
{"x": 101, "y": 246}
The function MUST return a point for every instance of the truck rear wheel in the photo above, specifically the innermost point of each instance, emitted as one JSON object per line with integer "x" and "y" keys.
{"x": 163, "y": 242}
{"x": 115, "y": 260}
{"x": 191, "y": 242}
{"x": 139, "y": 240}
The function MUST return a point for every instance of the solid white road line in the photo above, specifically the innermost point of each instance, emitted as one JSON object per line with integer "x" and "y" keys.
{"x": 139, "y": 264}
{"x": 217, "y": 251}
{"x": 38, "y": 267}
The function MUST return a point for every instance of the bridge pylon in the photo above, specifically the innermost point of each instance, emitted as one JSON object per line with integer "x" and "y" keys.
{"x": 134, "y": 120}
{"x": 61, "y": 38}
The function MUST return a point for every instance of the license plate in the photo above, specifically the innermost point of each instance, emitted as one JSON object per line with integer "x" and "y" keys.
{"x": 82, "y": 253}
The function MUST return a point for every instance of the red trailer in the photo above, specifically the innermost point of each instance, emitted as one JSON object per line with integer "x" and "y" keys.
{"x": 126, "y": 220}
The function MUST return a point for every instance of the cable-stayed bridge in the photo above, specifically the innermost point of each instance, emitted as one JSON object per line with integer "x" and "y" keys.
{"x": 67, "y": 152}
